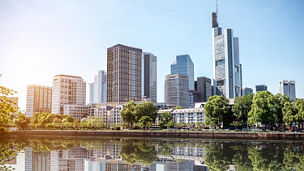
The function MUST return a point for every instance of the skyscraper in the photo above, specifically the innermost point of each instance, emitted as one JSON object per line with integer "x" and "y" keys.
{"x": 288, "y": 88}
{"x": 184, "y": 65}
{"x": 226, "y": 64}
{"x": 98, "y": 89}
{"x": 204, "y": 88}
{"x": 260, "y": 88}
{"x": 67, "y": 90}
{"x": 149, "y": 76}
{"x": 177, "y": 90}
{"x": 123, "y": 73}
{"x": 38, "y": 99}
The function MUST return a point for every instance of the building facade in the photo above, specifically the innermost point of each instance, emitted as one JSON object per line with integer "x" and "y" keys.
{"x": 177, "y": 90}
{"x": 247, "y": 91}
{"x": 124, "y": 66}
{"x": 204, "y": 89}
{"x": 184, "y": 65}
{"x": 260, "y": 88}
{"x": 149, "y": 76}
{"x": 76, "y": 111}
{"x": 187, "y": 116}
{"x": 226, "y": 64}
{"x": 98, "y": 89}
{"x": 38, "y": 99}
{"x": 67, "y": 90}
{"x": 288, "y": 88}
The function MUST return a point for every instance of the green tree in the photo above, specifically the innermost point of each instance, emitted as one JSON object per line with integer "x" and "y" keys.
{"x": 241, "y": 108}
{"x": 128, "y": 113}
{"x": 6, "y": 109}
{"x": 215, "y": 110}
{"x": 279, "y": 102}
{"x": 145, "y": 122}
{"x": 299, "y": 104}
{"x": 289, "y": 113}
{"x": 145, "y": 109}
{"x": 166, "y": 120}
{"x": 177, "y": 107}
{"x": 22, "y": 121}
{"x": 262, "y": 109}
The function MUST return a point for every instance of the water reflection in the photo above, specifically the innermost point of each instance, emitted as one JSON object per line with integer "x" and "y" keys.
{"x": 104, "y": 153}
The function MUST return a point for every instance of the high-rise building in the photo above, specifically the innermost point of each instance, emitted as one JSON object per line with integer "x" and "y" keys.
{"x": 226, "y": 64}
{"x": 204, "y": 88}
{"x": 260, "y": 88}
{"x": 177, "y": 90}
{"x": 91, "y": 87}
{"x": 123, "y": 73}
{"x": 67, "y": 90}
{"x": 98, "y": 89}
{"x": 149, "y": 76}
{"x": 184, "y": 65}
{"x": 247, "y": 91}
{"x": 38, "y": 99}
{"x": 288, "y": 88}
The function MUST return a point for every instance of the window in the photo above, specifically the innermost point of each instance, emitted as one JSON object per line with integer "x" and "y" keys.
{"x": 220, "y": 62}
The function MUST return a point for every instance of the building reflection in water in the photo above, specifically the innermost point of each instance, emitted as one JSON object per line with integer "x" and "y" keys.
{"x": 106, "y": 157}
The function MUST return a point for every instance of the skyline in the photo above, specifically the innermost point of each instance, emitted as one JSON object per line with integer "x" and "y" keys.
{"x": 72, "y": 38}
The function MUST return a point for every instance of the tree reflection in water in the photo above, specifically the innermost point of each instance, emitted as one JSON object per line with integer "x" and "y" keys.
{"x": 217, "y": 155}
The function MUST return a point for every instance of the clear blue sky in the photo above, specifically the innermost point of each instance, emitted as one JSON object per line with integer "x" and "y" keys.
{"x": 39, "y": 39}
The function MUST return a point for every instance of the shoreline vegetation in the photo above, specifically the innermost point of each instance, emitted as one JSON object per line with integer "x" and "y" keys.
{"x": 168, "y": 134}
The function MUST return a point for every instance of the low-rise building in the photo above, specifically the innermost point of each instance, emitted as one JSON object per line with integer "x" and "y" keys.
{"x": 76, "y": 111}
{"x": 190, "y": 115}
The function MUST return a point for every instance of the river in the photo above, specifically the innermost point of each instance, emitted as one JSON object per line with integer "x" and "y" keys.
{"x": 91, "y": 153}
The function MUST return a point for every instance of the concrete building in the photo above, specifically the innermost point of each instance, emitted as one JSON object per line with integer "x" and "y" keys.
{"x": 98, "y": 89}
{"x": 288, "y": 88}
{"x": 124, "y": 66}
{"x": 184, "y": 65}
{"x": 38, "y": 99}
{"x": 177, "y": 90}
{"x": 67, "y": 90}
{"x": 149, "y": 76}
{"x": 204, "y": 89}
{"x": 247, "y": 91}
{"x": 109, "y": 112}
{"x": 260, "y": 88}
{"x": 76, "y": 111}
{"x": 226, "y": 63}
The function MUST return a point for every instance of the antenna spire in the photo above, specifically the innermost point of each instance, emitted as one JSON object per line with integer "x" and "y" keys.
{"x": 216, "y": 7}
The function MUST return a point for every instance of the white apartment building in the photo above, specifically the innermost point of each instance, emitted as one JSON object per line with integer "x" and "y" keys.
{"x": 190, "y": 115}
{"x": 67, "y": 90}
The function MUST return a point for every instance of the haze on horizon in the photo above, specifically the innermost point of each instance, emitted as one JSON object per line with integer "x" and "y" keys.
{"x": 40, "y": 39}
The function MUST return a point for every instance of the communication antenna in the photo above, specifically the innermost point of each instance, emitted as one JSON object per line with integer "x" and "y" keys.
{"x": 216, "y": 7}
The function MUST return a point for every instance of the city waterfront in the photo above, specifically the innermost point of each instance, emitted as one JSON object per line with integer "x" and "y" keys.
{"x": 112, "y": 153}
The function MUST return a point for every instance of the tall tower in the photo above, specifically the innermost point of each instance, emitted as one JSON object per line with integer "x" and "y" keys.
{"x": 38, "y": 99}
{"x": 227, "y": 77}
{"x": 288, "y": 88}
{"x": 184, "y": 65}
{"x": 149, "y": 76}
{"x": 123, "y": 73}
{"x": 98, "y": 89}
{"x": 177, "y": 90}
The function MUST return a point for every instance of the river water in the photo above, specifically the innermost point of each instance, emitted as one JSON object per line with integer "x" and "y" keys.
{"x": 107, "y": 153}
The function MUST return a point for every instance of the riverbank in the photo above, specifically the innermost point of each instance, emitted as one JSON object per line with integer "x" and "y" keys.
{"x": 167, "y": 134}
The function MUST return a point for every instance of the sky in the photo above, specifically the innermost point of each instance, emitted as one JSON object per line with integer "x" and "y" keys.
{"x": 40, "y": 39}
